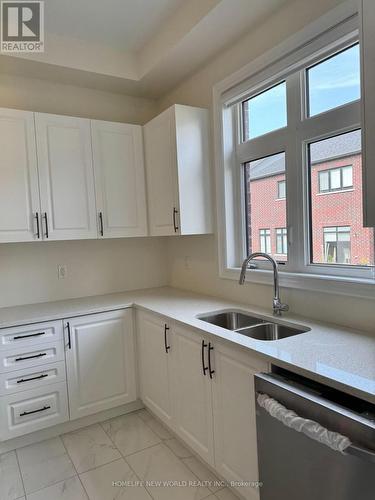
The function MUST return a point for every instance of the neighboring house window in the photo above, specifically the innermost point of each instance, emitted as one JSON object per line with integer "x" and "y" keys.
{"x": 281, "y": 241}
{"x": 337, "y": 245}
{"x": 281, "y": 190}
{"x": 336, "y": 179}
{"x": 265, "y": 240}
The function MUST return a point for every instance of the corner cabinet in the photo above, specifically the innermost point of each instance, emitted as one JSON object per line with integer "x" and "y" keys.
{"x": 178, "y": 172}
{"x": 119, "y": 179}
{"x": 100, "y": 362}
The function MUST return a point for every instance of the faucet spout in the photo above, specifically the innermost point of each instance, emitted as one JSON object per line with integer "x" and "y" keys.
{"x": 277, "y": 305}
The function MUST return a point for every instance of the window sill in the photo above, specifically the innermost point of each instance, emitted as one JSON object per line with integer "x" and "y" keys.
{"x": 354, "y": 287}
{"x": 340, "y": 191}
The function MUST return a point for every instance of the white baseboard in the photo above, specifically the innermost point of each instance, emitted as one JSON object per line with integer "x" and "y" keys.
{"x": 69, "y": 426}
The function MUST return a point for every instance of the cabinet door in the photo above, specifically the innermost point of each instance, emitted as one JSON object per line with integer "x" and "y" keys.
{"x": 100, "y": 362}
{"x": 161, "y": 164}
{"x": 19, "y": 191}
{"x": 155, "y": 364}
{"x": 192, "y": 393}
{"x": 119, "y": 179}
{"x": 66, "y": 177}
{"x": 234, "y": 416}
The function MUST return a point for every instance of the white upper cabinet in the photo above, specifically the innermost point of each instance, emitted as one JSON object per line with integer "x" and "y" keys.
{"x": 119, "y": 179}
{"x": 19, "y": 192}
{"x": 178, "y": 171}
{"x": 367, "y": 44}
{"x": 66, "y": 177}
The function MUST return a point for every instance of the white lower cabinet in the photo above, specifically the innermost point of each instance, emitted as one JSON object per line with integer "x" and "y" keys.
{"x": 100, "y": 362}
{"x": 156, "y": 348}
{"x": 33, "y": 410}
{"x": 192, "y": 392}
{"x": 33, "y": 392}
{"x": 203, "y": 388}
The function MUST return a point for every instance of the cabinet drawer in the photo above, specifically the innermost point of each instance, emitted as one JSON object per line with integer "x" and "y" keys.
{"x": 17, "y": 359}
{"x": 31, "y": 378}
{"x": 27, "y": 335}
{"x": 33, "y": 410}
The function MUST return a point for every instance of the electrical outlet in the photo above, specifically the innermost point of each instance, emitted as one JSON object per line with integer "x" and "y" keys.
{"x": 62, "y": 271}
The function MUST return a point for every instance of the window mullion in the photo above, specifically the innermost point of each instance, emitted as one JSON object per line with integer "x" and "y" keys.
{"x": 293, "y": 175}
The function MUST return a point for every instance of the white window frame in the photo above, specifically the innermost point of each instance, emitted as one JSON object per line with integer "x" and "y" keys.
{"x": 333, "y": 32}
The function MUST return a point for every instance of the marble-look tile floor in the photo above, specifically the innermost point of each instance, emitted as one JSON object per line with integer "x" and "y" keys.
{"x": 131, "y": 457}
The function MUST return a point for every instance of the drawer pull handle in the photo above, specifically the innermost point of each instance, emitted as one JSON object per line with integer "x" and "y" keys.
{"x": 31, "y": 357}
{"x": 34, "y": 411}
{"x": 18, "y": 337}
{"x": 22, "y": 380}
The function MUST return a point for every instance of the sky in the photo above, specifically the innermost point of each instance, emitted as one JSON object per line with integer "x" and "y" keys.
{"x": 331, "y": 83}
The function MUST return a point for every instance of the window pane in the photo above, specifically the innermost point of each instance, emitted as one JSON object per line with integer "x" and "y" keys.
{"x": 264, "y": 212}
{"x": 334, "y": 82}
{"x": 281, "y": 190}
{"x": 335, "y": 179}
{"x": 337, "y": 233}
{"x": 347, "y": 177}
{"x": 265, "y": 112}
{"x": 324, "y": 181}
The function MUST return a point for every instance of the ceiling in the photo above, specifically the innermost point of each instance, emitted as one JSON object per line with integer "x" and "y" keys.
{"x": 137, "y": 47}
{"x": 124, "y": 25}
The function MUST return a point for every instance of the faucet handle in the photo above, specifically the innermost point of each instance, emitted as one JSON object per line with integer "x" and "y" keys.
{"x": 279, "y": 307}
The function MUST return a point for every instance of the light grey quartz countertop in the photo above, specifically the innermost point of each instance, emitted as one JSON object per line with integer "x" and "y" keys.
{"x": 343, "y": 358}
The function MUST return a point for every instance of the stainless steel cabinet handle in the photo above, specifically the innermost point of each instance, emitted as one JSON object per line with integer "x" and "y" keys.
{"x": 360, "y": 452}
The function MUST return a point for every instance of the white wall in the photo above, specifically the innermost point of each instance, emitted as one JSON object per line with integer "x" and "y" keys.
{"x": 199, "y": 272}
{"x": 28, "y": 271}
{"x": 46, "y": 97}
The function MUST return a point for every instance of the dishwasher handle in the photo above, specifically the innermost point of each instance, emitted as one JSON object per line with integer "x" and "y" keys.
{"x": 312, "y": 429}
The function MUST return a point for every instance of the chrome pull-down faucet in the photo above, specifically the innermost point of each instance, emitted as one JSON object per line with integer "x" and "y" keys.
{"x": 277, "y": 306}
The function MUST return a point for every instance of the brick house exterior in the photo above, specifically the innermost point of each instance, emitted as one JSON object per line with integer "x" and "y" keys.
{"x": 329, "y": 210}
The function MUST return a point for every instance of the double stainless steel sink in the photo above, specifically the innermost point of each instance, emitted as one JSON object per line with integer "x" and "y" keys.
{"x": 252, "y": 326}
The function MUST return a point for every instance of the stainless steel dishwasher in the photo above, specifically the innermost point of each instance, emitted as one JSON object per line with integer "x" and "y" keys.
{"x": 292, "y": 465}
